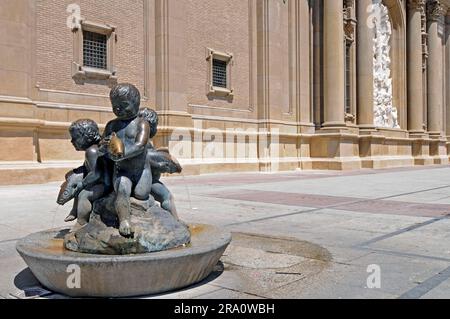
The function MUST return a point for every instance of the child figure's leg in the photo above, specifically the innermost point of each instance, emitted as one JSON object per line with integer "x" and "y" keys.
{"x": 84, "y": 203}
{"x": 144, "y": 185}
{"x": 84, "y": 207}
{"x": 73, "y": 213}
{"x": 164, "y": 196}
{"x": 122, "y": 187}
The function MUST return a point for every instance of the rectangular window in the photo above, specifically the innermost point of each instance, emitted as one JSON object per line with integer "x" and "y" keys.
{"x": 94, "y": 53}
{"x": 219, "y": 73}
{"x": 95, "y": 50}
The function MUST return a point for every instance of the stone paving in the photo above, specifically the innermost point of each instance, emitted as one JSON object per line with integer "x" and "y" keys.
{"x": 303, "y": 234}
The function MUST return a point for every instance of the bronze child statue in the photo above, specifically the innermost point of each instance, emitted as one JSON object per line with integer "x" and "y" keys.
{"x": 119, "y": 165}
{"x": 132, "y": 175}
{"x": 89, "y": 182}
{"x": 160, "y": 161}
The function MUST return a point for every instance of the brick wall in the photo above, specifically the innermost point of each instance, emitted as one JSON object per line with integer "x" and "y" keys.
{"x": 54, "y": 43}
{"x": 223, "y": 26}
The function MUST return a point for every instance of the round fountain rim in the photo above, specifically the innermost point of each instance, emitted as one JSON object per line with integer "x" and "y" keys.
{"x": 123, "y": 275}
{"x": 224, "y": 238}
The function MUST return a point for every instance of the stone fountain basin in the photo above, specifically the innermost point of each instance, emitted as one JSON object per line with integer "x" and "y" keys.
{"x": 122, "y": 275}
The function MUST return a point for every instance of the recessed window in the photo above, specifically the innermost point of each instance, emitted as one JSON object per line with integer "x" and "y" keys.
{"x": 95, "y": 50}
{"x": 219, "y": 73}
{"x": 219, "y": 79}
{"x": 94, "y": 53}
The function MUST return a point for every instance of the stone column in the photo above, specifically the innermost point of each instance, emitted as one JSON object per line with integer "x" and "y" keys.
{"x": 435, "y": 12}
{"x": 415, "y": 67}
{"x": 304, "y": 30}
{"x": 18, "y": 133}
{"x": 364, "y": 60}
{"x": 170, "y": 67}
{"x": 333, "y": 64}
{"x": 447, "y": 75}
{"x": 170, "y": 62}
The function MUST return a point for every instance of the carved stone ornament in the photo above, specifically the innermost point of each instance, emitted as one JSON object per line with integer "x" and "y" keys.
{"x": 385, "y": 113}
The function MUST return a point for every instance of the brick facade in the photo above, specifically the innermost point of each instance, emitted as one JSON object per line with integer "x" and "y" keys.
{"x": 54, "y": 42}
{"x": 288, "y": 69}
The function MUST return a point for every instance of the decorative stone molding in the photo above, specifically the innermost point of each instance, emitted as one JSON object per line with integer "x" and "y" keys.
{"x": 349, "y": 30}
{"x": 349, "y": 20}
{"x": 385, "y": 113}
{"x": 350, "y": 118}
{"x": 81, "y": 73}
{"x": 350, "y": 23}
{"x": 424, "y": 39}
{"x": 223, "y": 56}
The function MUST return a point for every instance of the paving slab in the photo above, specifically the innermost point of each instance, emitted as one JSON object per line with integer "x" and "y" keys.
{"x": 430, "y": 240}
{"x": 302, "y": 234}
{"x": 442, "y": 291}
{"x": 332, "y": 283}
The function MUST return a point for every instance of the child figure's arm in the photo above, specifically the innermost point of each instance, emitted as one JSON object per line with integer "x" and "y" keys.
{"x": 140, "y": 143}
{"x": 106, "y": 137}
{"x": 93, "y": 176}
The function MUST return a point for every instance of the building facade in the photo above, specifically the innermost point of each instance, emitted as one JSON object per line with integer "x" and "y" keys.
{"x": 265, "y": 84}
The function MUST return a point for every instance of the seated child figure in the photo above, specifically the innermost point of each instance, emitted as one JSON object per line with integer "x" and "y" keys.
{"x": 96, "y": 180}
{"x": 132, "y": 175}
{"x": 160, "y": 161}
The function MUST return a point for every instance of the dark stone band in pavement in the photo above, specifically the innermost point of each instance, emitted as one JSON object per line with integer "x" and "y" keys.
{"x": 373, "y": 206}
{"x": 426, "y": 286}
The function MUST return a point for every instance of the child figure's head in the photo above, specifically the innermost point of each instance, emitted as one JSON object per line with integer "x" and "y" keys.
{"x": 125, "y": 100}
{"x": 152, "y": 118}
{"x": 84, "y": 134}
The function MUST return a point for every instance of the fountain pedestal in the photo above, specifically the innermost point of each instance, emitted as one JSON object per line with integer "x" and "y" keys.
{"x": 155, "y": 229}
{"x": 122, "y": 275}
{"x": 120, "y": 246}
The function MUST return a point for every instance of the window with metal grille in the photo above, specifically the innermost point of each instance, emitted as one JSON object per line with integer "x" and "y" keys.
{"x": 219, "y": 73}
{"x": 94, "y": 50}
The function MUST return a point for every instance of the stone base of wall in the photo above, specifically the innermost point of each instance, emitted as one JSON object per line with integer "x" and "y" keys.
{"x": 38, "y": 151}
{"x": 34, "y": 173}
{"x": 18, "y": 174}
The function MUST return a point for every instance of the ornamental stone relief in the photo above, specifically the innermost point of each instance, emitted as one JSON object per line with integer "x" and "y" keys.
{"x": 385, "y": 113}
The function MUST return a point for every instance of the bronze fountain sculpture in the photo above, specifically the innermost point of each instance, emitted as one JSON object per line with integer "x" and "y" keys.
{"x": 127, "y": 239}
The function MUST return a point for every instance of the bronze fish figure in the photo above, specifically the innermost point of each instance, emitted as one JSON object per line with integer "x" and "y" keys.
{"x": 162, "y": 155}
{"x": 68, "y": 188}
{"x": 116, "y": 146}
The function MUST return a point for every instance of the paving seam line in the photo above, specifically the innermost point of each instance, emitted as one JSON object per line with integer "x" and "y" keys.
{"x": 335, "y": 206}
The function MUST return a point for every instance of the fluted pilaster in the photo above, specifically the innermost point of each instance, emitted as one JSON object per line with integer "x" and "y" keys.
{"x": 435, "y": 15}
{"x": 415, "y": 66}
{"x": 365, "y": 36}
{"x": 333, "y": 64}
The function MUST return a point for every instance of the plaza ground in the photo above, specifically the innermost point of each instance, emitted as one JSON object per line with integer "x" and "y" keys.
{"x": 303, "y": 234}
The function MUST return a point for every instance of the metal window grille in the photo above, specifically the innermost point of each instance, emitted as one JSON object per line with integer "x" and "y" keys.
{"x": 94, "y": 50}
{"x": 219, "y": 72}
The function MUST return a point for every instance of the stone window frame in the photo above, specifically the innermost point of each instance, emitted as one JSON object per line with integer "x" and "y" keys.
{"x": 81, "y": 73}
{"x": 212, "y": 90}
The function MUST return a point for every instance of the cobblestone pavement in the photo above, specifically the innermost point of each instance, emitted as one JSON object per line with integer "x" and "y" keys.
{"x": 303, "y": 234}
